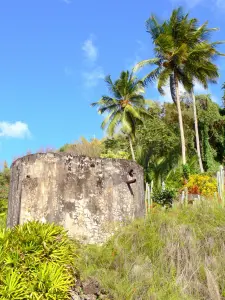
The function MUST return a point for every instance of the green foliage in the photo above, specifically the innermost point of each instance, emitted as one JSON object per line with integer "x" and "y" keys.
{"x": 92, "y": 148}
{"x": 212, "y": 132}
{"x": 118, "y": 154}
{"x": 164, "y": 197}
{"x": 163, "y": 256}
{"x": 36, "y": 262}
{"x": 186, "y": 171}
{"x": 4, "y": 189}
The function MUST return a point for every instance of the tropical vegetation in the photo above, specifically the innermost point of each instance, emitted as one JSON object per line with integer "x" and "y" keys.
{"x": 177, "y": 251}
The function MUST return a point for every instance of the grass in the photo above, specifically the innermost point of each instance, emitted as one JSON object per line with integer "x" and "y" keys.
{"x": 178, "y": 254}
{"x": 2, "y": 220}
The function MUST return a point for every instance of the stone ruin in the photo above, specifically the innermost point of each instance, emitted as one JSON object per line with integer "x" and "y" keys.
{"x": 89, "y": 197}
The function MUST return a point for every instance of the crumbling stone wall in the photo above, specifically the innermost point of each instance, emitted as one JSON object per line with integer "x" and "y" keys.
{"x": 88, "y": 196}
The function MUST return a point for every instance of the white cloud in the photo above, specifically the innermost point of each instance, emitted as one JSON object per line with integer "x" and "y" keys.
{"x": 14, "y": 130}
{"x": 92, "y": 77}
{"x": 90, "y": 50}
{"x": 92, "y": 72}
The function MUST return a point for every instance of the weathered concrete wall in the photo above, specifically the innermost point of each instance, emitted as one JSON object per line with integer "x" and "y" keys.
{"x": 85, "y": 195}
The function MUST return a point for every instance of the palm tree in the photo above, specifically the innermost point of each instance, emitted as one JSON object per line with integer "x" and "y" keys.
{"x": 199, "y": 67}
{"x": 223, "y": 87}
{"x": 170, "y": 52}
{"x": 186, "y": 55}
{"x": 125, "y": 108}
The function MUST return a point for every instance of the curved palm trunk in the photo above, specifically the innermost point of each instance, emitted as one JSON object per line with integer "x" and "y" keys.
{"x": 183, "y": 147}
{"x": 196, "y": 132}
{"x": 131, "y": 148}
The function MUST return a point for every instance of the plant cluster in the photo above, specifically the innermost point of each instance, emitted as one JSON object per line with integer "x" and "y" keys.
{"x": 36, "y": 262}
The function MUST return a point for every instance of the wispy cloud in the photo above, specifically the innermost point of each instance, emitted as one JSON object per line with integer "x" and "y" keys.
{"x": 220, "y": 4}
{"x": 67, "y": 1}
{"x": 92, "y": 77}
{"x": 137, "y": 57}
{"x": 211, "y": 4}
{"x": 92, "y": 72}
{"x": 188, "y": 3}
{"x": 14, "y": 130}
{"x": 90, "y": 50}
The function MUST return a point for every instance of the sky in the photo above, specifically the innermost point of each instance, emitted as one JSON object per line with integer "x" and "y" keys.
{"x": 56, "y": 53}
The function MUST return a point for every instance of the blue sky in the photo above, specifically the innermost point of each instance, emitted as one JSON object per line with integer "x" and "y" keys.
{"x": 55, "y": 54}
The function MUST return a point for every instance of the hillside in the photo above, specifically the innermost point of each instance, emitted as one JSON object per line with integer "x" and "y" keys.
{"x": 173, "y": 254}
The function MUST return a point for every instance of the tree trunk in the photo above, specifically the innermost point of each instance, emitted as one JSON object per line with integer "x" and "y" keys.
{"x": 197, "y": 133}
{"x": 183, "y": 147}
{"x": 131, "y": 148}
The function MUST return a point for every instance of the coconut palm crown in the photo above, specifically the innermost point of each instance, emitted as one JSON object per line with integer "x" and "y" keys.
{"x": 126, "y": 105}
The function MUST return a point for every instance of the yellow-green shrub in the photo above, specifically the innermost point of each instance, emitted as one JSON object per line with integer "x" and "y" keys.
{"x": 36, "y": 262}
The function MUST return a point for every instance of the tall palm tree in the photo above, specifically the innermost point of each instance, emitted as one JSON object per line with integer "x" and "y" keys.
{"x": 125, "y": 107}
{"x": 186, "y": 56}
{"x": 170, "y": 52}
{"x": 199, "y": 66}
{"x": 223, "y": 87}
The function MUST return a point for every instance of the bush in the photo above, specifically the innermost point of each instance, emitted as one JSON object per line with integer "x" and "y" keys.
{"x": 118, "y": 154}
{"x": 204, "y": 185}
{"x": 36, "y": 262}
{"x": 164, "y": 197}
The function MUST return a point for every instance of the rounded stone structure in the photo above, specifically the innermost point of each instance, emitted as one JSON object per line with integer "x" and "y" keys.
{"x": 88, "y": 196}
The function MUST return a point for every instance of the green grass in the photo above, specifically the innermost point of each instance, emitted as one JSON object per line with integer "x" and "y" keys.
{"x": 2, "y": 220}
{"x": 178, "y": 254}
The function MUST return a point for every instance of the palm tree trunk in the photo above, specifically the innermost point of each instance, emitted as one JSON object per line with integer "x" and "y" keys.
{"x": 197, "y": 133}
{"x": 131, "y": 148}
{"x": 183, "y": 147}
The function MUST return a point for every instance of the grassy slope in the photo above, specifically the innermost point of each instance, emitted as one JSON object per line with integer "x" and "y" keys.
{"x": 171, "y": 255}
{"x": 178, "y": 254}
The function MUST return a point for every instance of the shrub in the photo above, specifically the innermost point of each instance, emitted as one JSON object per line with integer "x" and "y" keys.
{"x": 204, "y": 185}
{"x": 164, "y": 197}
{"x": 36, "y": 262}
{"x": 118, "y": 154}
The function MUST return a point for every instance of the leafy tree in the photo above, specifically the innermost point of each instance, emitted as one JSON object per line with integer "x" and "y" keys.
{"x": 156, "y": 146}
{"x": 212, "y": 132}
{"x": 4, "y": 188}
{"x": 92, "y": 148}
{"x": 125, "y": 107}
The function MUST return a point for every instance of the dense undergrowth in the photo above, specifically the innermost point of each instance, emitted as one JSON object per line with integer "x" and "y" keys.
{"x": 174, "y": 254}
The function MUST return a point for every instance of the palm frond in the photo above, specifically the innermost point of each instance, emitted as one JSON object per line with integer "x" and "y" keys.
{"x": 163, "y": 80}
{"x": 152, "y": 76}
{"x": 146, "y": 62}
